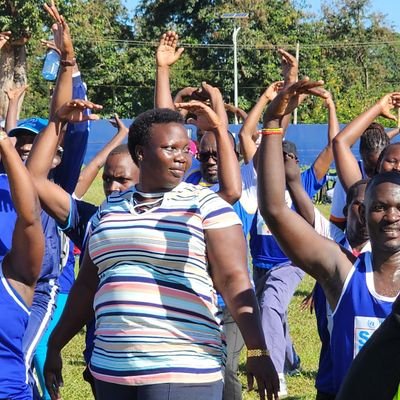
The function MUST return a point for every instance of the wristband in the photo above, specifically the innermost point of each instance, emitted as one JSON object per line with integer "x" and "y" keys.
{"x": 68, "y": 63}
{"x": 272, "y": 131}
{"x": 257, "y": 353}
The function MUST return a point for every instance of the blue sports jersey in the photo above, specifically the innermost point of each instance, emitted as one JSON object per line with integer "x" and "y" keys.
{"x": 67, "y": 276}
{"x": 80, "y": 213}
{"x": 324, "y": 379}
{"x": 323, "y": 314}
{"x": 14, "y": 314}
{"x": 8, "y": 215}
{"x": 264, "y": 249}
{"x": 66, "y": 175}
{"x": 358, "y": 314}
{"x": 8, "y": 218}
{"x": 47, "y": 285}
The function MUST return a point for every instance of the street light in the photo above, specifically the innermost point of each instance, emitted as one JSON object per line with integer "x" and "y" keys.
{"x": 234, "y": 40}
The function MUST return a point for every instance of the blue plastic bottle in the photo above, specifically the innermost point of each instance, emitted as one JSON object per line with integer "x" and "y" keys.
{"x": 51, "y": 65}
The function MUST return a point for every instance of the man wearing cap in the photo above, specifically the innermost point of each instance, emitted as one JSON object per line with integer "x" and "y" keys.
{"x": 25, "y": 134}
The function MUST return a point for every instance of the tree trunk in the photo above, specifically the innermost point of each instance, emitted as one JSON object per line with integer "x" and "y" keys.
{"x": 12, "y": 73}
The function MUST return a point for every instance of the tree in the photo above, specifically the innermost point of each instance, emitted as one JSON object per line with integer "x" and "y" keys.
{"x": 351, "y": 48}
{"x": 22, "y": 18}
{"x": 99, "y": 30}
{"x": 207, "y": 38}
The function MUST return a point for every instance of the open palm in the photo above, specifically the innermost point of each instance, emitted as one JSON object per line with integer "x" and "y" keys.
{"x": 76, "y": 111}
{"x": 167, "y": 53}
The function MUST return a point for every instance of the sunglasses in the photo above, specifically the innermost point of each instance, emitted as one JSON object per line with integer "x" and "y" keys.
{"x": 205, "y": 156}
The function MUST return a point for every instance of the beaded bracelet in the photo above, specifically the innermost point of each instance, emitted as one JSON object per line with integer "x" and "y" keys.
{"x": 271, "y": 131}
{"x": 257, "y": 353}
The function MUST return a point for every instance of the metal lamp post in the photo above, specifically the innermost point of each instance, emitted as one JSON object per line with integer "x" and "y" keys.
{"x": 234, "y": 40}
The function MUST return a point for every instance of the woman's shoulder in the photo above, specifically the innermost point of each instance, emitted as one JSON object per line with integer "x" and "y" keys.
{"x": 190, "y": 190}
{"x": 117, "y": 200}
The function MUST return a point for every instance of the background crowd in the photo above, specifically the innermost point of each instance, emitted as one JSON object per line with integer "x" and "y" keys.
{"x": 200, "y": 244}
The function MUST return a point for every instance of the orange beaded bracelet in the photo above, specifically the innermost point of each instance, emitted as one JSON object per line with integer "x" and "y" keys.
{"x": 272, "y": 131}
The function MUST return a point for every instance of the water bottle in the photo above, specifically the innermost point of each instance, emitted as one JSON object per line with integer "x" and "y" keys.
{"x": 51, "y": 65}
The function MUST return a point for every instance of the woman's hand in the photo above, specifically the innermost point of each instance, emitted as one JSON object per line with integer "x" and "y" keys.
{"x": 62, "y": 37}
{"x": 263, "y": 370}
{"x": 116, "y": 122}
{"x": 289, "y": 98}
{"x": 74, "y": 111}
{"x": 16, "y": 93}
{"x": 53, "y": 373}
{"x": 209, "y": 119}
{"x": 326, "y": 95}
{"x": 186, "y": 92}
{"x": 388, "y": 103}
{"x": 167, "y": 53}
{"x": 273, "y": 89}
{"x": 290, "y": 67}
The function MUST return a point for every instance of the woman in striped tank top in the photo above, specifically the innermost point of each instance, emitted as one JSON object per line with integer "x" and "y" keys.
{"x": 156, "y": 254}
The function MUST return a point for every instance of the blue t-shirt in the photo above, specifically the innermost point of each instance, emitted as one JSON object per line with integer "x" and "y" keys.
{"x": 264, "y": 249}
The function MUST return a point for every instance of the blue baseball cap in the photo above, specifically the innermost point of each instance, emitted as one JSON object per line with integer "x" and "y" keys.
{"x": 29, "y": 126}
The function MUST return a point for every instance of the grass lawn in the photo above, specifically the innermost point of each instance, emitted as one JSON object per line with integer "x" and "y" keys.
{"x": 302, "y": 325}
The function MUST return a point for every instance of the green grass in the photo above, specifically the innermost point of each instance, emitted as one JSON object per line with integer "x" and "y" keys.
{"x": 302, "y": 327}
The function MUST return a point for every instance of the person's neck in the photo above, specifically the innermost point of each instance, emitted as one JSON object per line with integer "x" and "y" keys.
{"x": 385, "y": 265}
{"x": 357, "y": 243}
{"x": 149, "y": 192}
{"x": 385, "y": 260}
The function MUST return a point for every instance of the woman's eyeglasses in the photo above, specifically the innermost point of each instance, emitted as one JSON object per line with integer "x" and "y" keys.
{"x": 205, "y": 156}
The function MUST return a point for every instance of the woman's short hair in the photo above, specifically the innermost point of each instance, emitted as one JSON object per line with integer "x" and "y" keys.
{"x": 374, "y": 139}
{"x": 140, "y": 130}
